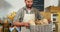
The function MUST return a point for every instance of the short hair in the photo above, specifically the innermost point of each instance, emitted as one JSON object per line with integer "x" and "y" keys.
{"x": 25, "y": 0}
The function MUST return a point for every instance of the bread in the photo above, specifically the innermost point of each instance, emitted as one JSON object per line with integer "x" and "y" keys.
{"x": 42, "y": 22}
{"x": 32, "y": 22}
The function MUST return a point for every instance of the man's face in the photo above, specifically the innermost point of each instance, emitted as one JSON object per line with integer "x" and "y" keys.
{"x": 29, "y": 3}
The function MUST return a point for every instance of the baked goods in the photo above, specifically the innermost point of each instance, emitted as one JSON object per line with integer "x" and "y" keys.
{"x": 32, "y": 22}
{"x": 41, "y": 22}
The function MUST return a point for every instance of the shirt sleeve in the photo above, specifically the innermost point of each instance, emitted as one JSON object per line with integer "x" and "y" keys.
{"x": 38, "y": 15}
{"x": 18, "y": 15}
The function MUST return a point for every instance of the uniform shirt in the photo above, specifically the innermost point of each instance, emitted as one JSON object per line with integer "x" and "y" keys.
{"x": 20, "y": 14}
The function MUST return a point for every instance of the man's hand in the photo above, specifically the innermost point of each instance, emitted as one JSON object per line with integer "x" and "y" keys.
{"x": 20, "y": 23}
{"x": 17, "y": 23}
{"x": 26, "y": 24}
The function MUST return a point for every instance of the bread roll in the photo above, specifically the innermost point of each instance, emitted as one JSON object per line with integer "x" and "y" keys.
{"x": 32, "y": 22}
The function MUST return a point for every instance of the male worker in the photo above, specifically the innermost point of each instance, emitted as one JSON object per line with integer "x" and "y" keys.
{"x": 23, "y": 15}
{"x": 27, "y": 15}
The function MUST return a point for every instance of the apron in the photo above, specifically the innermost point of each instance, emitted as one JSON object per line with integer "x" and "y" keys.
{"x": 27, "y": 18}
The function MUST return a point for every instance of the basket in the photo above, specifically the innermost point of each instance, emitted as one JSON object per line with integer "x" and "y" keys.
{"x": 41, "y": 28}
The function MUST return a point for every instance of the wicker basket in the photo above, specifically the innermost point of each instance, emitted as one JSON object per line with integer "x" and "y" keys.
{"x": 41, "y": 28}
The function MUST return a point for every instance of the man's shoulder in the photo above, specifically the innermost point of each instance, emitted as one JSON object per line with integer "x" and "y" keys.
{"x": 35, "y": 9}
{"x": 21, "y": 9}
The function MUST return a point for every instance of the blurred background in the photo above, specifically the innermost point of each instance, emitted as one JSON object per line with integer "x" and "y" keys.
{"x": 8, "y": 8}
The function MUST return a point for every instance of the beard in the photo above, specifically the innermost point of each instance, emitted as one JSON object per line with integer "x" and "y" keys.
{"x": 29, "y": 6}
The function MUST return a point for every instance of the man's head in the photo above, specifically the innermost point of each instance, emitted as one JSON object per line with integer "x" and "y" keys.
{"x": 29, "y": 3}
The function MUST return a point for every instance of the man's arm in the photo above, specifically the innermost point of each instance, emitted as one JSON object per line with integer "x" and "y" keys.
{"x": 18, "y": 14}
{"x": 38, "y": 15}
{"x": 18, "y": 20}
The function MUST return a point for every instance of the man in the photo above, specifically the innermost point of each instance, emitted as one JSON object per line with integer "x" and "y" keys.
{"x": 28, "y": 9}
{"x": 27, "y": 15}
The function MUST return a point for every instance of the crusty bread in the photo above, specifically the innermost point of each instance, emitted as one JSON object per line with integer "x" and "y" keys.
{"x": 32, "y": 22}
{"x": 42, "y": 22}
